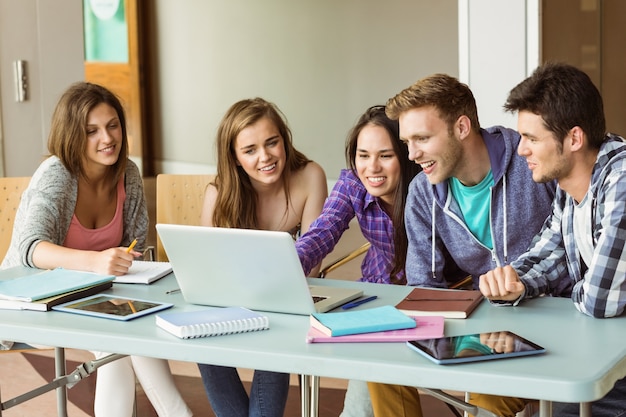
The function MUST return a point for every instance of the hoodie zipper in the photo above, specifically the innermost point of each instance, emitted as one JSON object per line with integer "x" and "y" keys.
{"x": 494, "y": 255}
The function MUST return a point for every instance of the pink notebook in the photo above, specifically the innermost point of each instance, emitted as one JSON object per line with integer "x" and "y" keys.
{"x": 427, "y": 327}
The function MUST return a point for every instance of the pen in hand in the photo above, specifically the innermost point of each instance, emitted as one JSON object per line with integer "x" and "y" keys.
{"x": 132, "y": 245}
{"x": 358, "y": 302}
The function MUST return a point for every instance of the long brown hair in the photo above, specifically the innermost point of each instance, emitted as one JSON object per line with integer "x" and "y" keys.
{"x": 375, "y": 115}
{"x": 236, "y": 201}
{"x": 68, "y": 132}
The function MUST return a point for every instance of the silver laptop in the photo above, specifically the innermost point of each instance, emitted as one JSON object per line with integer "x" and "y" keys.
{"x": 257, "y": 269}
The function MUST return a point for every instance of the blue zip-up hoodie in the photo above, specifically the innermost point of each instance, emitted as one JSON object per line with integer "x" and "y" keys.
{"x": 440, "y": 243}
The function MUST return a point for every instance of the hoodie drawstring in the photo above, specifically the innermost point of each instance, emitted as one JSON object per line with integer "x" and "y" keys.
{"x": 504, "y": 228}
{"x": 505, "y": 248}
{"x": 432, "y": 245}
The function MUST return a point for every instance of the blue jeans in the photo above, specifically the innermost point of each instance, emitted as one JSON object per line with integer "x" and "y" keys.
{"x": 613, "y": 404}
{"x": 228, "y": 397}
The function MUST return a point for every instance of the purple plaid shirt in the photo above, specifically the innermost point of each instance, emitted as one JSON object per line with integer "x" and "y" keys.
{"x": 348, "y": 199}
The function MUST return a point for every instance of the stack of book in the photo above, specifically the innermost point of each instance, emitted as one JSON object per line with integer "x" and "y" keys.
{"x": 24, "y": 288}
{"x": 379, "y": 324}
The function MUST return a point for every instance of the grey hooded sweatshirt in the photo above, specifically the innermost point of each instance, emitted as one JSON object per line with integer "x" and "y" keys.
{"x": 442, "y": 248}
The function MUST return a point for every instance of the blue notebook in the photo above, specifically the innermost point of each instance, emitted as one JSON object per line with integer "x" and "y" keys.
{"x": 36, "y": 284}
{"x": 376, "y": 319}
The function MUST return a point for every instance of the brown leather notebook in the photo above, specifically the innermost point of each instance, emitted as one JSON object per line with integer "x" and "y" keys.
{"x": 453, "y": 304}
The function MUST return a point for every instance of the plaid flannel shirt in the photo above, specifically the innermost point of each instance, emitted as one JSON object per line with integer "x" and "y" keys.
{"x": 347, "y": 200}
{"x": 553, "y": 264}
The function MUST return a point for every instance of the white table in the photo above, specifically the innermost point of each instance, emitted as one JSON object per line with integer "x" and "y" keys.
{"x": 584, "y": 359}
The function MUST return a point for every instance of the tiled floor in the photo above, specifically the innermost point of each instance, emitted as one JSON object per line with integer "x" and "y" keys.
{"x": 24, "y": 371}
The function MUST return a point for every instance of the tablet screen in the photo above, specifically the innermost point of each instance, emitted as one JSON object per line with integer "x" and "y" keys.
{"x": 475, "y": 347}
{"x": 107, "y": 306}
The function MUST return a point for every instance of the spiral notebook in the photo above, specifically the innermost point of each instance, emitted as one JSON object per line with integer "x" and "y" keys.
{"x": 212, "y": 322}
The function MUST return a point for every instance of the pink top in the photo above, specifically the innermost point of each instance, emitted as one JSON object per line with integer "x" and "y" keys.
{"x": 106, "y": 237}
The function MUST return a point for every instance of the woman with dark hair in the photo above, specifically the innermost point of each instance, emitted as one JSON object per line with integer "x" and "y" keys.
{"x": 82, "y": 209}
{"x": 373, "y": 190}
{"x": 262, "y": 182}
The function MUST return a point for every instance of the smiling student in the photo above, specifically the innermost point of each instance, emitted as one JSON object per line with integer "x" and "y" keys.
{"x": 373, "y": 190}
{"x": 82, "y": 209}
{"x": 581, "y": 246}
{"x": 264, "y": 183}
{"x": 475, "y": 206}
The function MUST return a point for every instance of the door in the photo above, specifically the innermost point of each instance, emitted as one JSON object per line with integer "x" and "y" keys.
{"x": 53, "y": 59}
{"x": 589, "y": 34}
{"x": 113, "y": 58}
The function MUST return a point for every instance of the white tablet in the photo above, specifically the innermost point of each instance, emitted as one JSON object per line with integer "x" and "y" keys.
{"x": 475, "y": 347}
{"x": 111, "y": 307}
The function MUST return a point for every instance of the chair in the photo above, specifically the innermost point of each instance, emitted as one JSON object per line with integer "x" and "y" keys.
{"x": 10, "y": 194}
{"x": 179, "y": 201}
{"x": 11, "y": 189}
{"x": 344, "y": 259}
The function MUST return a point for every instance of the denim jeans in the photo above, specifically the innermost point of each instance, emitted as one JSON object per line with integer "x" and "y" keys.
{"x": 228, "y": 397}
{"x": 612, "y": 405}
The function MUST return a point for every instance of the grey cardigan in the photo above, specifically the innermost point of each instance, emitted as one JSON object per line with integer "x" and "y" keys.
{"x": 48, "y": 204}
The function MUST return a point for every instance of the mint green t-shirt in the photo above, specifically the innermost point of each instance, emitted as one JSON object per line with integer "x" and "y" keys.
{"x": 474, "y": 202}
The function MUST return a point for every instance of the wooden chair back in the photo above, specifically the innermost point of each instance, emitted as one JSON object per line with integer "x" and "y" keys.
{"x": 179, "y": 201}
{"x": 11, "y": 189}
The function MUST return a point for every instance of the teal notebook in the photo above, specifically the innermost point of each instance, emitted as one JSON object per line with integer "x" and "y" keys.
{"x": 376, "y": 319}
{"x": 35, "y": 284}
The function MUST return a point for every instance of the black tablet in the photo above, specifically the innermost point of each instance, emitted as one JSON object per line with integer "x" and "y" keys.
{"x": 110, "y": 307}
{"x": 475, "y": 347}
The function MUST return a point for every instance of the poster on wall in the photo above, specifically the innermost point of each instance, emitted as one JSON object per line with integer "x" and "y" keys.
{"x": 106, "y": 31}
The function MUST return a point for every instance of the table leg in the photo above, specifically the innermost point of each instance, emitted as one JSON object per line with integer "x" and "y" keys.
{"x": 305, "y": 395}
{"x": 545, "y": 408}
{"x": 585, "y": 409}
{"x": 60, "y": 371}
{"x": 315, "y": 390}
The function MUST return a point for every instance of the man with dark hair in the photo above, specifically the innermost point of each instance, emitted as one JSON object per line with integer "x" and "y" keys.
{"x": 561, "y": 121}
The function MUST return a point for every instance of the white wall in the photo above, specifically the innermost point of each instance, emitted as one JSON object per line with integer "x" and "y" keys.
{"x": 323, "y": 62}
{"x": 498, "y": 48}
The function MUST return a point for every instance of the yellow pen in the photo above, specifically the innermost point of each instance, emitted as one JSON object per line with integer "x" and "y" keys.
{"x": 132, "y": 245}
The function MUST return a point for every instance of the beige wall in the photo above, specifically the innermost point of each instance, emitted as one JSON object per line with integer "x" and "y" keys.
{"x": 48, "y": 36}
{"x": 321, "y": 61}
